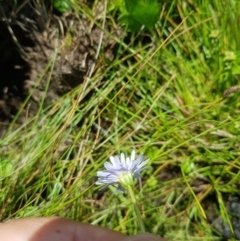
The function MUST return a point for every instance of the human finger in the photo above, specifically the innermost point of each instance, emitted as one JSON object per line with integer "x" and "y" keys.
{"x": 55, "y": 229}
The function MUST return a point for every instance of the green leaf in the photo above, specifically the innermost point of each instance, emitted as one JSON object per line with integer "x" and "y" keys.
{"x": 131, "y": 4}
{"x": 132, "y": 24}
{"x": 141, "y": 13}
{"x": 63, "y": 5}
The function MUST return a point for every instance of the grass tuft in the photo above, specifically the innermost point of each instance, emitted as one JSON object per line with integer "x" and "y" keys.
{"x": 162, "y": 95}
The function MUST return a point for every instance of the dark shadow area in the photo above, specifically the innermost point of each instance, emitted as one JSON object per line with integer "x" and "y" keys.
{"x": 13, "y": 69}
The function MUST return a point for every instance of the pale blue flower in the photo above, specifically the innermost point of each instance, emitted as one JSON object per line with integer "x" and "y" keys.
{"x": 122, "y": 170}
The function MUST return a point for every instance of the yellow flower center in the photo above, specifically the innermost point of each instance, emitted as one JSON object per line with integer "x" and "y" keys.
{"x": 125, "y": 178}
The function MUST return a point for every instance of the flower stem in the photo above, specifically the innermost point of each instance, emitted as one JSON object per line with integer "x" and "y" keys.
{"x": 136, "y": 209}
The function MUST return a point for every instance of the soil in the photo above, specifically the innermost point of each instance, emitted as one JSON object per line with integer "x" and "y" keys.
{"x": 31, "y": 34}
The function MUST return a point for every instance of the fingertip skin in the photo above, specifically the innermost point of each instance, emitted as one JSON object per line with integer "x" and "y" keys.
{"x": 62, "y": 229}
{"x": 55, "y": 228}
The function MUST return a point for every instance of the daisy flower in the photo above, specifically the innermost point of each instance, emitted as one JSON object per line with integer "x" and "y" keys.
{"x": 122, "y": 170}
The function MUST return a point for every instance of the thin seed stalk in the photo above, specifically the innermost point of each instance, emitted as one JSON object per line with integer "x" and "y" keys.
{"x": 136, "y": 209}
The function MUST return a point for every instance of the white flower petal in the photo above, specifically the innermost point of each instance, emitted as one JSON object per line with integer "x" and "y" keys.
{"x": 122, "y": 159}
{"x": 108, "y": 166}
{"x": 140, "y": 162}
{"x": 119, "y": 166}
{"x": 115, "y": 161}
{"x": 102, "y": 173}
{"x": 133, "y": 155}
{"x": 128, "y": 162}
